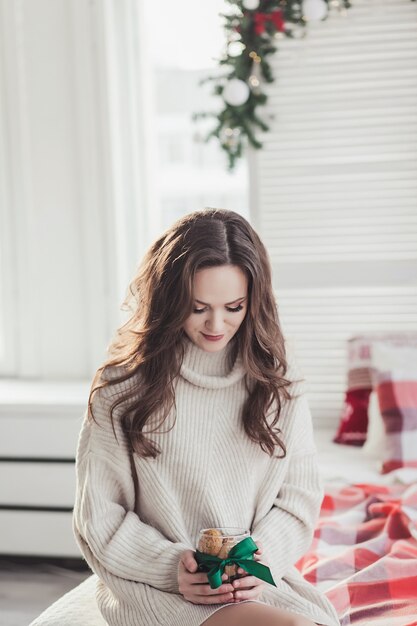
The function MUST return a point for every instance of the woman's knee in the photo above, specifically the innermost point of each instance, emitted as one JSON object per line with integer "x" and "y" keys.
{"x": 299, "y": 620}
{"x": 253, "y": 614}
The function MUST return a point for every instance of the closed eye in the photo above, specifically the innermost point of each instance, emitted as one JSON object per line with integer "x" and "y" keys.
{"x": 230, "y": 309}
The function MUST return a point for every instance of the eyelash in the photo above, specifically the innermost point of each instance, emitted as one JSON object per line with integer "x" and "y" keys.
{"x": 235, "y": 310}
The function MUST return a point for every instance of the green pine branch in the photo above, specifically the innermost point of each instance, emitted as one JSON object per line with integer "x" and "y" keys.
{"x": 236, "y": 125}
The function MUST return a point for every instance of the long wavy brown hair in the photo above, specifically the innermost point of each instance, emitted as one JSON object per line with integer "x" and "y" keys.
{"x": 149, "y": 347}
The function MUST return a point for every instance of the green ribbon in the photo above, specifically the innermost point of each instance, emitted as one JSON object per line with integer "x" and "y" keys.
{"x": 242, "y": 555}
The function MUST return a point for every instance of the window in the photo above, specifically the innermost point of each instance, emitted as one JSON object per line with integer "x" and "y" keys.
{"x": 336, "y": 188}
{"x": 187, "y": 174}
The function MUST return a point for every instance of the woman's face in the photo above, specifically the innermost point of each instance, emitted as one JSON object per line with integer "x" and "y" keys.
{"x": 220, "y": 304}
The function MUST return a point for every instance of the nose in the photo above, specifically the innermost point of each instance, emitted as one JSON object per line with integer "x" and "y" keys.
{"x": 214, "y": 323}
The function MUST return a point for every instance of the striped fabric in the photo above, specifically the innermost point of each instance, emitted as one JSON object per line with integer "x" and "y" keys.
{"x": 353, "y": 422}
{"x": 364, "y": 554}
{"x": 360, "y": 355}
{"x": 395, "y": 381}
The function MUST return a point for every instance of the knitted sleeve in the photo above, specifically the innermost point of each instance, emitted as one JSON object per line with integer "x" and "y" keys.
{"x": 109, "y": 533}
{"x": 286, "y": 531}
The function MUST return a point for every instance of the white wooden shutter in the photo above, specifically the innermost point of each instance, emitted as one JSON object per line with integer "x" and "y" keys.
{"x": 334, "y": 189}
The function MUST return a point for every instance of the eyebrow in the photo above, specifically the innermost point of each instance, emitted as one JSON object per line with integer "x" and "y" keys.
{"x": 227, "y": 303}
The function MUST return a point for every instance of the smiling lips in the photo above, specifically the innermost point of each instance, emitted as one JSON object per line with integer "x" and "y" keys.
{"x": 212, "y": 337}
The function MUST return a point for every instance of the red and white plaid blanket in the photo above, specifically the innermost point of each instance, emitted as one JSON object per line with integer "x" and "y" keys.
{"x": 364, "y": 554}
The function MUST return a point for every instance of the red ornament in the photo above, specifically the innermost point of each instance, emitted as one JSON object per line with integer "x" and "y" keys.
{"x": 278, "y": 20}
{"x": 260, "y": 20}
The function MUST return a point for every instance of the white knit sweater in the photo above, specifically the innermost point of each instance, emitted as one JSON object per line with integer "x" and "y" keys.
{"x": 208, "y": 474}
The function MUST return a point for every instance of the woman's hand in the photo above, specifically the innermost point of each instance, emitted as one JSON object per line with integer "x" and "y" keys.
{"x": 249, "y": 587}
{"x": 194, "y": 585}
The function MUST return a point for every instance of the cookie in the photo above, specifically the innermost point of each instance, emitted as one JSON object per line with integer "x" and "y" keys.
{"x": 228, "y": 543}
{"x": 210, "y": 542}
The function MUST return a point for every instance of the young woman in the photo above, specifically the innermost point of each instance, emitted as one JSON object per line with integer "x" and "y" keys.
{"x": 195, "y": 421}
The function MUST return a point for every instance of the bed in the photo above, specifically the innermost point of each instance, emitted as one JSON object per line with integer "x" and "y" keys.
{"x": 363, "y": 556}
{"x": 364, "y": 552}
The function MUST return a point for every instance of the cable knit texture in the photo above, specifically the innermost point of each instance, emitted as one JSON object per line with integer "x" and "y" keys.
{"x": 209, "y": 473}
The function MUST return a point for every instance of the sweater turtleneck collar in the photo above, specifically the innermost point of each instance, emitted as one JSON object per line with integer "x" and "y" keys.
{"x": 210, "y": 369}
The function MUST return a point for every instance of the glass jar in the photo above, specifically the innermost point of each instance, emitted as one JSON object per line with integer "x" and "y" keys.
{"x": 218, "y": 542}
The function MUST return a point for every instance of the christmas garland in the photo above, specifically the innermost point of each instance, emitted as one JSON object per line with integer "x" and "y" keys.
{"x": 252, "y": 27}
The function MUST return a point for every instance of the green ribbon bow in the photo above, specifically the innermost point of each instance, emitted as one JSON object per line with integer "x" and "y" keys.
{"x": 242, "y": 555}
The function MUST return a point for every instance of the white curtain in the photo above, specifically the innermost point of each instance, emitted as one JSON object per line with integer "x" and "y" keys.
{"x": 73, "y": 194}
